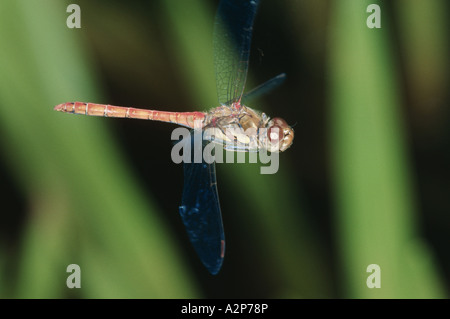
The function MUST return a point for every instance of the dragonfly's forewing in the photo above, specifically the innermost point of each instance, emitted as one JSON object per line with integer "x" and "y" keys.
{"x": 232, "y": 38}
{"x": 200, "y": 212}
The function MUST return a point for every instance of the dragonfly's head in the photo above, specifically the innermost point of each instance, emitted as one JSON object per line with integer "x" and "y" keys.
{"x": 279, "y": 135}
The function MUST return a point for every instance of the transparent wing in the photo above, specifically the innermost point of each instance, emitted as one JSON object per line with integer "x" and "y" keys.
{"x": 264, "y": 88}
{"x": 200, "y": 212}
{"x": 232, "y": 37}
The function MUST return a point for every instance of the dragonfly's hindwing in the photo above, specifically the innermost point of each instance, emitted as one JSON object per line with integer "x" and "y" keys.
{"x": 200, "y": 211}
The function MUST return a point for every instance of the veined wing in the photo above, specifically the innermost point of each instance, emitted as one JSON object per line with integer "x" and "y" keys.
{"x": 232, "y": 37}
{"x": 200, "y": 212}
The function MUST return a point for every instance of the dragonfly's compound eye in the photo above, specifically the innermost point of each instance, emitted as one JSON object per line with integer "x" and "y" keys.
{"x": 280, "y": 133}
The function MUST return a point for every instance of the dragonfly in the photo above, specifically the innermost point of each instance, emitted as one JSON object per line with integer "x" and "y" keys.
{"x": 200, "y": 209}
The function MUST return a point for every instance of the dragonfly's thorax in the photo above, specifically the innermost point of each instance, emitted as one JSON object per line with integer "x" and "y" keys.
{"x": 240, "y": 128}
{"x": 235, "y": 116}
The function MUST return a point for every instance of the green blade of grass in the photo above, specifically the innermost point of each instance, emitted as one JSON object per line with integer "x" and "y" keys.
{"x": 375, "y": 200}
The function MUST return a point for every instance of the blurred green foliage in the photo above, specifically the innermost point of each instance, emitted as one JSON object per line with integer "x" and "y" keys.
{"x": 376, "y": 209}
{"x": 85, "y": 203}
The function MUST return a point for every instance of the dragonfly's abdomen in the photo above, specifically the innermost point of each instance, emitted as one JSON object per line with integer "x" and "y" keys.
{"x": 181, "y": 118}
